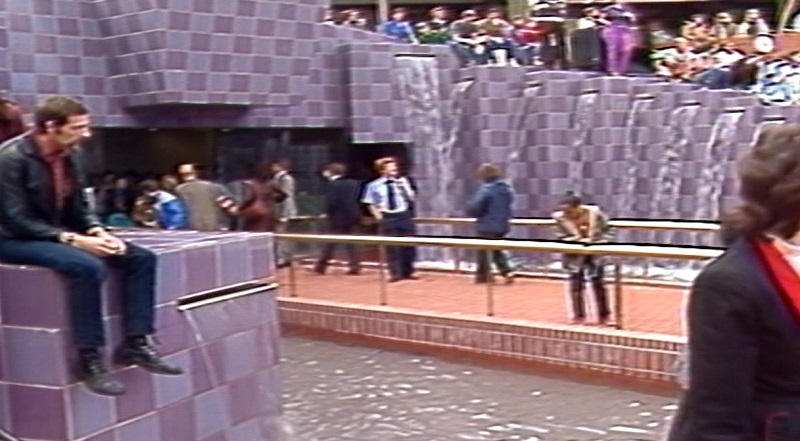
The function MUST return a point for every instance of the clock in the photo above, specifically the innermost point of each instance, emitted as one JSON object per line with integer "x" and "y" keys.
{"x": 764, "y": 44}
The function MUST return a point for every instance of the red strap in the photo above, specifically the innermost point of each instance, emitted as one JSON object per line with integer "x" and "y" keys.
{"x": 783, "y": 276}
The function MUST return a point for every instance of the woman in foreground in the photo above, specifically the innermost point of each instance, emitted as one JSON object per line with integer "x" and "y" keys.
{"x": 744, "y": 309}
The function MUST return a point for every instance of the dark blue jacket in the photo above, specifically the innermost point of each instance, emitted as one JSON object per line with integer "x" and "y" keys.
{"x": 492, "y": 206}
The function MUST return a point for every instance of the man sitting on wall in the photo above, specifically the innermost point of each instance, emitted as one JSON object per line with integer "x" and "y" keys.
{"x": 44, "y": 222}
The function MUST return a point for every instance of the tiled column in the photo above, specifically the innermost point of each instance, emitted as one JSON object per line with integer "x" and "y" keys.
{"x": 230, "y": 391}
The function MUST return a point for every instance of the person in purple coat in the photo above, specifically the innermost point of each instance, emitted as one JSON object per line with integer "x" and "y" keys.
{"x": 618, "y": 37}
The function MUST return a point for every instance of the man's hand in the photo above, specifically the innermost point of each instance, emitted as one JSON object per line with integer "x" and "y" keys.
{"x": 114, "y": 243}
{"x": 94, "y": 245}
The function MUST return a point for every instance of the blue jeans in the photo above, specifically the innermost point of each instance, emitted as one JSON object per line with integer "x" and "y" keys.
{"x": 401, "y": 259}
{"x": 85, "y": 275}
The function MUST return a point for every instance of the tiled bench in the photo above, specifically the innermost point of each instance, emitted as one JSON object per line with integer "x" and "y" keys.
{"x": 228, "y": 349}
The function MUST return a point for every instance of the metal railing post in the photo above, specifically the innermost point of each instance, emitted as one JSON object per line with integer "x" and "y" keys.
{"x": 617, "y": 295}
{"x": 489, "y": 284}
{"x": 383, "y": 298}
{"x": 292, "y": 272}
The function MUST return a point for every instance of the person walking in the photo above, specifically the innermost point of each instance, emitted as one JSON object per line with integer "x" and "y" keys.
{"x": 342, "y": 214}
{"x": 286, "y": 207}
{"x": 210, "y": 205}
{"x": 492, "y": 205}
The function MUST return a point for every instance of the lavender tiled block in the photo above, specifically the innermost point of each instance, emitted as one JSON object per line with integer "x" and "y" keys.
{"x": 89, "y": 413}
{"x": 172, "y": 276}
{"x": 203, "y": 267}
{"x": 140, "y": 429}
{"x": 23, "y": 291}
{"x": 177, "y": 422}
{"x": 212, "y": 413}
{"x": 140, "y": 398}
{"x": 35, "y": 356}
{"x": 174, "y": 330}
{"x": 235, "y": 261}
{"x": 33, "y": 405}
{"x": 240, "y": 359}
{"x": 169, "y": 389}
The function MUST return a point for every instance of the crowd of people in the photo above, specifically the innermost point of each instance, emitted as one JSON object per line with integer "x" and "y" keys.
{"x": 699, "y": 51}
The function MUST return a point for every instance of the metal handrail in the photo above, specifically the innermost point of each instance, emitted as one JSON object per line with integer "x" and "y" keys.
{"x": 651, "y": 251}
{"x": 547, "y": 222}
{"x": 642, "y": 251}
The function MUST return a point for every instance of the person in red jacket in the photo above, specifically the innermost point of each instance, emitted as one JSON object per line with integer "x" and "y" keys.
{"x": 527, "y": 40}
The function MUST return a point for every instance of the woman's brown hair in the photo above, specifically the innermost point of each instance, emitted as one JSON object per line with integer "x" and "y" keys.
{"x": 490, "y": 172}
{"x": 770, "y": 187}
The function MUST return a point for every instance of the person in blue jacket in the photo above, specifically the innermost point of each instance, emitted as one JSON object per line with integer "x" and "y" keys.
{"x": 171, "y": 212}
{"x": 398, "y": 27}
{"x": 491, "y": 205}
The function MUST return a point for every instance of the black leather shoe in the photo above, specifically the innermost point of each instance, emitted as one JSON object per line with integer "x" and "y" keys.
{"x": 5, "y": 436}
{"x": 141, "y": 354}
{"x": 95, "y": 376}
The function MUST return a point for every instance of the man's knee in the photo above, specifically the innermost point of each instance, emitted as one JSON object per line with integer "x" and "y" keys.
{"x": 89, "y": 267}
{"x": 141, "y": 257}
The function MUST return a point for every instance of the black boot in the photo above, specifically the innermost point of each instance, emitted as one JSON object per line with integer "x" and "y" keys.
{"x": 95, "y": 376}
{"x": 137, "y": 351}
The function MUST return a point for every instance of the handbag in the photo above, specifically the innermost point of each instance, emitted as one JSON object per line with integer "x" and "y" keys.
{"x": 256, "y": 208}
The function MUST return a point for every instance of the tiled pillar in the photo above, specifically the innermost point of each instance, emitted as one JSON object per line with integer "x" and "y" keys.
{"x": 229, "y": 350}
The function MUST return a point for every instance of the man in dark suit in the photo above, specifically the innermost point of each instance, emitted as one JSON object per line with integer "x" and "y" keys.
{"x": 44, "y": 222}
{"x": 343, "y": 213}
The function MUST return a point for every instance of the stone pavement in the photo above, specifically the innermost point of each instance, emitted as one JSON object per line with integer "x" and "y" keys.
{"x": 351, "y": 393}
{"x": 645, "y": 309}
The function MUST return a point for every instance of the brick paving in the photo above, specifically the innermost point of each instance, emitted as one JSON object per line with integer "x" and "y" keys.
{"x": 644, "y": 309}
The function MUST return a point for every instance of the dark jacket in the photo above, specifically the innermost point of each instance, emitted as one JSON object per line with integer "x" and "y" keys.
{"x": 27, "y": 200}
{"x": 744, "y": 356}
{"x": 342, "y": 204}
{"x": 492, "y": 206}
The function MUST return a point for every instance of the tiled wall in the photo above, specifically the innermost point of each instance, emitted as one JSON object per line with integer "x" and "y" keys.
{"x": 229, "y": 350}
{"x": 270, "y": 63}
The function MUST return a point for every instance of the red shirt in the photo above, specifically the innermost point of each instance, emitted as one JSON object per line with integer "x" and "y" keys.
{"x": 57, "y": 164}
{"x": 528, "y": 33}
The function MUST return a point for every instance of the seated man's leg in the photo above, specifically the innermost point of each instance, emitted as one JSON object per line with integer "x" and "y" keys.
{"x": 138, "y": 266}
{"x": 85, "y": 274}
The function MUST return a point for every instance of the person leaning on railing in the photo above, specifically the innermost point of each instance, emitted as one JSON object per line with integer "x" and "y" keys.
{"x": 587, "y": 224}
{"x": 744, "y": 309}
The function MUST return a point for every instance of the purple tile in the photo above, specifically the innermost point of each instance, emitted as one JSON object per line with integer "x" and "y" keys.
{"x": 203, "y": 264}
{"x": 171, "y": 389}
{"x": 105, "y": 436}
{"x": 177, "y": 422}
{"x": 23, "y": 291}
{"x": 89, "y": 412}
{"x": 248, "y": 399}
{"x": 39, "y": 356}
{"x": 172, "y": 329}
{"x": 146, "y": 428}
{"x": 241, "y": 355}
{"x": 33, "y": 405}
{"x": 212, "y": 412}
{"x": 250, "y": 430}
{"x": 219, "y": 436}
{"x": 140, "y": 398}
{"x": 172, "y": 277}
{"x": 204, "y": 374}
